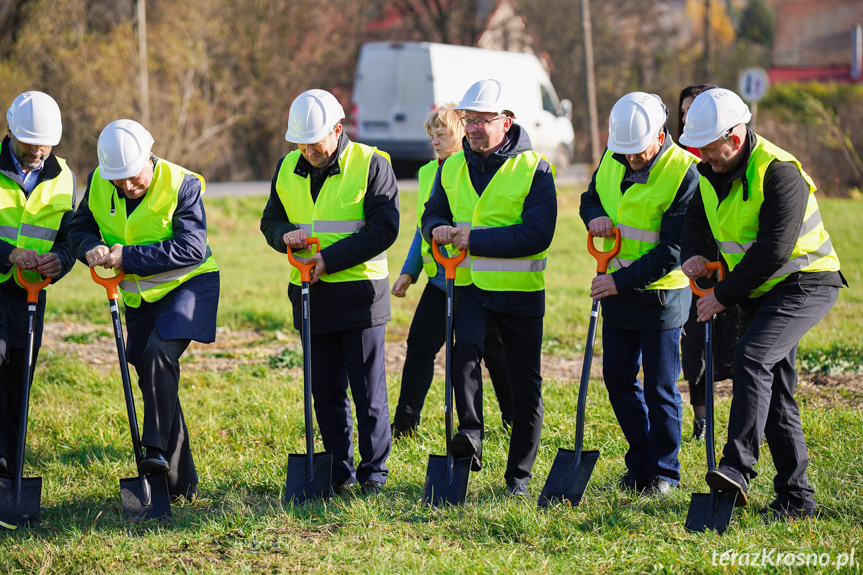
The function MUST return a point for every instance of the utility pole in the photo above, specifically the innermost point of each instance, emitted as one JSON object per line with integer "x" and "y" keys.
{"x": 706, "y": 71}
{"x": 590, "y": 83}
{"x": 143, "y": 81}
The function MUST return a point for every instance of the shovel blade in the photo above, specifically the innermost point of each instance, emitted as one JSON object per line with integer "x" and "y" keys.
{"x": 299, "y": 487}
{"x": 568, "y": 478}
{"x": 24, "y": 511}
{"x": 437, "y": 490}
{"x": 711, "y": 511}
{"x": 146, "y": 497}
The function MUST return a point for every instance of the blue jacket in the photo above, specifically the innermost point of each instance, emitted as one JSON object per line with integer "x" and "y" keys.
{"x": 533, "y": 235}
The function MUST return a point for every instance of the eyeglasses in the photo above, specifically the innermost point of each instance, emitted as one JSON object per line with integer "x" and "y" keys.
{"x": 478, "y": 122}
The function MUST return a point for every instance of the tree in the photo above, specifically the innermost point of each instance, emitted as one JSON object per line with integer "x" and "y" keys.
{"x": 757, "y": 23}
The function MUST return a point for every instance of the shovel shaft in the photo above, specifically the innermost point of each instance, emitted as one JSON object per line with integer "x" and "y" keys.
{"x": 585, "y": 379}
{"x": 307, "y": 384}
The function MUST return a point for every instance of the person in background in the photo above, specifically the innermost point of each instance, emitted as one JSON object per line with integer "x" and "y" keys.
{"x": 758, "y": 204}
{"x": 642, "y": 186}
{"x": 724, "y": 325}
{"x": 497, "y": 200}
{"x": 428, "y": 328}
{"x": 345, "y": 194}
{"x": 36, "y": 200}
{"x": 144, "y": 216}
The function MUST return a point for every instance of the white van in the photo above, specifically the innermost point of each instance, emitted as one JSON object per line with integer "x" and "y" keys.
{"x": 398, "y": 83}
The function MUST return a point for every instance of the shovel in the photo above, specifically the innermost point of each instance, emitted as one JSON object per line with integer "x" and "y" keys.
{"x": 571, "y": 470}
{"x": 710, "y": 510}
{"x": 20, "y": 498}
{"x": 309, "y": 473}
{"x": 446, "y": 476}
{"x": 143, "y": 497}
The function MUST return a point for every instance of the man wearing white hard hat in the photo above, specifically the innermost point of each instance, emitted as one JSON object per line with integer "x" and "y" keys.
{"x": 642, "y": 186}
{"x": 36, "y": 201}
{"x": 496, "y": 199}
{"x": 345, "y": 194}
{"x": 144, "y": 215}
{"x": 758, "y": 205}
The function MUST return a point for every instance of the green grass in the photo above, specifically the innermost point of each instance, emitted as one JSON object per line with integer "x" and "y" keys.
{"x": 244, "y": 422}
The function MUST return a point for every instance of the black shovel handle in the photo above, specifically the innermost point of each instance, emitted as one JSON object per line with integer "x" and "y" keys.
{"x": 708, "y": 368}
{"x": 449, "y": 266}
{"x": 33, "y": 289}
{"x": 110, "y": 284}
{"x": 305, "y": 270}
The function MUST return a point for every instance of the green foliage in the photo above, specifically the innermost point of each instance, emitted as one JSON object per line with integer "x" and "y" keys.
{"x": 836, "y": 360}
{"x": 288, "y": 358}
{"x": 88, "y": 337}
{"x": 757, "y": 23}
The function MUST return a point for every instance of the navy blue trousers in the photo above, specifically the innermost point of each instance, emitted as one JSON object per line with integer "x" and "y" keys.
{"x": 355, "y": 358}
{"x": 649, "y": 415}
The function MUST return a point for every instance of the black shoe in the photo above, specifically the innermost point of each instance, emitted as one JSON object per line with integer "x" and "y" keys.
{"x": 729, "y": 479}
{"x": 371, "y": 487}
{"x": 4, "y": 468}
{"x": 658, "y": 486}
{"x": 629, "y": 483}
{"x": 776, "y": 511}
{"x": 464, "y": 445}
{"x": 153, "y": 462}
{"x": 400, "y": 431}
{"x": 699, "y": 428}
{"x": 517, "y": 491}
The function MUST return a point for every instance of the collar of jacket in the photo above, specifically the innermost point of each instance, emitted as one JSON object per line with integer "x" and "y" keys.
{"x": 516, "y": 142}
{"x": 722, "y": 182}
{"x": 642, "y": 175}
{"x": 50, "y": 168}
{"x": 304, "y": 168}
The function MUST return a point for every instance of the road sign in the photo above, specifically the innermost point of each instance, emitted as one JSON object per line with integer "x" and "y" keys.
{"x": 753, "y": 84}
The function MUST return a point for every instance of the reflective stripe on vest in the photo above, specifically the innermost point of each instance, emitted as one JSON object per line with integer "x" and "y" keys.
{"x": 150, "y": 222}
{"x": 338, "y": 211}
{"x": 638, "y": 212}
{"x": 500, "y": 205}
{"x": 426, "y": 183}
{"x": 734, "y": 222}
{"x": 32, "y": 222}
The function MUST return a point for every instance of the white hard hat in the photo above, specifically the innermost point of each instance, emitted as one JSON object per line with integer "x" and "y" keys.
{"x": 34, "y": 118}
{"x": 635, "y": 121}
{"x": 485, "y": 96}
{"x": 313, "y": 115}
{"x": 711, "y": 115}
{"x": 123, "y": 147}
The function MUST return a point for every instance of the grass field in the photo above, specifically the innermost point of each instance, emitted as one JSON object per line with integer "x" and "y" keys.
{"x": 245, "y": 421}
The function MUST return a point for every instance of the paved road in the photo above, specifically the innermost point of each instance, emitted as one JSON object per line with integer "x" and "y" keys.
{"x": 576, "y": 174}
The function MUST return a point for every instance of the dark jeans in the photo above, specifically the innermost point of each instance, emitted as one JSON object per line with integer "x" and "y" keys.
{"x": 650, "y": 415}
{"x": 522, "y": 345}
{"x": 764, "y": 382}
{"x": 164, "y": 424}
{"x": 354, "y": 357}
{"x": 725, "y": 328}
{"x": 12, "y": 362}
{"x": 426, "y": 337}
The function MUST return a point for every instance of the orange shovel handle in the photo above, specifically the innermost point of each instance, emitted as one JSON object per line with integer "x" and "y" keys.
{"x": 449, "y": 264}
{"x": 33, "y": 288}
{"x": 305, "y": 268}
{"x": 603, "y": 258}
{"x": 109, "y": 283}
{"x": 715, "y": 266}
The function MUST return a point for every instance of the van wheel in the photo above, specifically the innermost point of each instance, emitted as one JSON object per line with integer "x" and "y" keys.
{"x": 561, "y": 157}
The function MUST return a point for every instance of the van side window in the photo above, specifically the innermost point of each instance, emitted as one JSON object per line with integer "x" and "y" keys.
{"x": 547, "y": 102}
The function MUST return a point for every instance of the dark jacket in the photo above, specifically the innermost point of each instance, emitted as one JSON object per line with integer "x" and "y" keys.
{"x": 340, "y": 306}
{"x": 786, "y": 194}
{"x": 13, "y": 299}
{"x": 635, "y": 307}
{"x": 532, "y": 236}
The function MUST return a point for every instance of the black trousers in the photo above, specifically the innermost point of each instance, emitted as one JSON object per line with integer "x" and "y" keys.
{"x": 355, "y": 358}
{"x": 12, "y": 362}
{"x": 426, "y": 337}
{"x": 164, "y": 424}
{"x": 522, "y": 345}
{"x": 764, "y": 382}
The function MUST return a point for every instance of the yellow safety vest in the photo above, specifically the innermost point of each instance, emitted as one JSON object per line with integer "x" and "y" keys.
{"x": 33, "y": 222}
{"x": 734, "y": 222}
{"x": 338, "y": 211}
{"x": 149, "y": 223}
{"x": 426, "y": 183}
{"x": 638, "y": 213}
{"x": 500, "y": 205}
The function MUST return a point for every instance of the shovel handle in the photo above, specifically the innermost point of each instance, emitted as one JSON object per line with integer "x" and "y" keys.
{"x": 449, "y": 264}
{"x": 33, "y": 288}
{"x": 305, "y": 268}
{"x": 603, "y": 258}
{"x": 109, "y": 283}
{"x": 711, "y": 266}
